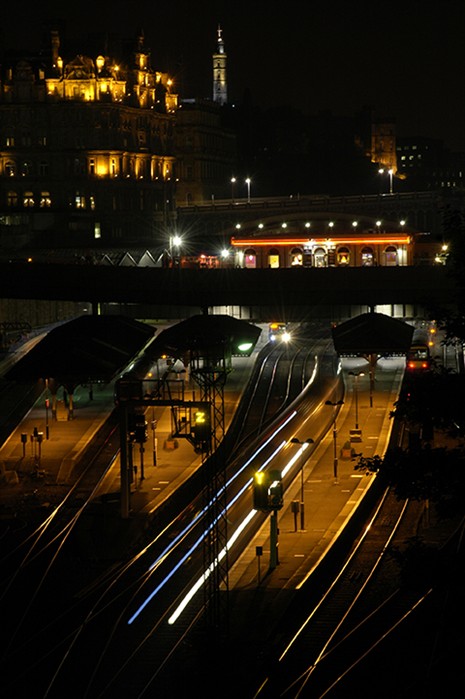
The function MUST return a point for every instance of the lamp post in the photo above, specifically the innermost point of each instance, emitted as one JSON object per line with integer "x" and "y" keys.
{"x": 390, "y": 172}
{"x": 335, "y": 405}
{"x": 175, "y": 241}
{"x": 248, "y": 181}
{"x": 303, "y": 446}
{"x": 154, "y": 441}
{"x": 356, "y": 374}
{"x": 233, "y": 182}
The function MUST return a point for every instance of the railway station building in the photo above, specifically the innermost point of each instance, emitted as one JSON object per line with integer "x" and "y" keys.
{"x": 341, "y": 249}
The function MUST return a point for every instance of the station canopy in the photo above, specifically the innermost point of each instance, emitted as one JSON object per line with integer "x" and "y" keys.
{"x": 84, "y": 350}
{"x": 372, "y": 333}
{"x": 204, "y": 333}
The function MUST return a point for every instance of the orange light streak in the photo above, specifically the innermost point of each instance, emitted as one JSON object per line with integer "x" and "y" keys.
{"x": 375, "y": 240}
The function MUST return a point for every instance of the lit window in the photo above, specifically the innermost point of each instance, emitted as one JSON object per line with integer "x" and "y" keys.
{"x": 343, "y": 256}
{"x": 319, "y": 257}
{"x": 250, "y": 259}
{"x": 273, "y": 259}
{"x": 12, "y": 199}
{"x": 296, "y": 257}
{"x": 79, "y": 201}
{"x": 391, "y": 255}
{"x": 45, "y": 200}
{"x": 26, "y": 169}
{"x": 28, "y": 199}
{"x": 10, "y": 169}
{"x": 367, "y": 257}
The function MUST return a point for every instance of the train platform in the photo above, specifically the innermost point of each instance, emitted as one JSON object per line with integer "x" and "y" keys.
{"x": 40, "y": 455}
{"x": 260, "y": 590}
{"x": 45, "y": 468}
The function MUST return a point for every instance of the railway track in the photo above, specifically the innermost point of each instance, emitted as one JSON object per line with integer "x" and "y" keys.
{"x": 45, "y": 567}
{"x": 326, "y": 638}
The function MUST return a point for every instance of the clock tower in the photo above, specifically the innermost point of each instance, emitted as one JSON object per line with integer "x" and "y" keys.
{"x": 220, "y": 89}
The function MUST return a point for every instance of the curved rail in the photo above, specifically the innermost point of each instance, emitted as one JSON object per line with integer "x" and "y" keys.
{"x": 361, "y": 605}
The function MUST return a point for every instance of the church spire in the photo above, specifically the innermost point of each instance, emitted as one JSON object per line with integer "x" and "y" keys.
{"x": 220, "y": 89}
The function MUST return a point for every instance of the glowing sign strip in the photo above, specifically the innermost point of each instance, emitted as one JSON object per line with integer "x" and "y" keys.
{"x": 367, "y": 240}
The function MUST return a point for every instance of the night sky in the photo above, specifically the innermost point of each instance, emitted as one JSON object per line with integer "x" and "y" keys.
{"x": 406, "y": 59}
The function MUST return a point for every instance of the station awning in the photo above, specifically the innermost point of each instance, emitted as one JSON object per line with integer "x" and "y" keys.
{"x": 372, "y": 333}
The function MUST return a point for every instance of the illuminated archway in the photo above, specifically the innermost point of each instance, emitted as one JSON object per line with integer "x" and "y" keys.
{"x": 320, "y": 257}
{"x": 367, "y": 257}
{"x": 296, "y": 257}
{"x": 250, "y": 259}
{"x": 343, "y": 256}
{"x": 273, "y": 258}
{"x": 390, "y": 255}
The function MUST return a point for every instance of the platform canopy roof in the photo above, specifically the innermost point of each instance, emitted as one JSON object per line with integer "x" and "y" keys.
{"x": 372, "y": 333}
{"x": 84, "y": 350}
{"x": 205, "y": 333}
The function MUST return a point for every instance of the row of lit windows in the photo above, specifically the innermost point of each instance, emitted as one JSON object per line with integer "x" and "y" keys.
{"x": 321, "y": 257}
{"x": 25, "y": 140}
{"x": 29, "y": 200}
{"x": 97, "y": 168}
{"x": 44, "y": 200}
{"x": 25, "y": 169}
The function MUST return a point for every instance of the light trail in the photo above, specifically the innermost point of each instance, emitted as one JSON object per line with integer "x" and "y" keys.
{"x": 182, "y": 560}
{"x": 163, "y": 555}
{"x": 196, "y": 587}
{"x": 245, "y": 522}
{"x": 242, "y": 526}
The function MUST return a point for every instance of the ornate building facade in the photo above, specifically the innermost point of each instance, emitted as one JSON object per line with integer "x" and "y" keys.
{"x": 86, "y": 149}
{"x": 341, "y": 249}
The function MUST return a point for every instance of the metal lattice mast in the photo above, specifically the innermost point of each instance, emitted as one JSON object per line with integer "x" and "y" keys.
{"x": 209, "y": 369}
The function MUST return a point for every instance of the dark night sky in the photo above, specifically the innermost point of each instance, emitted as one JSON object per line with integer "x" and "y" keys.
{"x": 406, "y": 58}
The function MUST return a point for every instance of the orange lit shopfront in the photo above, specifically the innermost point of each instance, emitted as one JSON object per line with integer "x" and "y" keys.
{"x": 370, "y": 250}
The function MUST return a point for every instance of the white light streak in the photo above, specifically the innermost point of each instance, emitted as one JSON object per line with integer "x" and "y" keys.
{"x": 187, "y": 555}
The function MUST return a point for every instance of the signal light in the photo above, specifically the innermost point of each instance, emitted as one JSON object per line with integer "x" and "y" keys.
{"x": 201, "y": 423}
{"x": 260, "y": 491}
{"x": 267, "y": 491}
{"x": 140, "y": 430}
{"x": 137, "y": 428}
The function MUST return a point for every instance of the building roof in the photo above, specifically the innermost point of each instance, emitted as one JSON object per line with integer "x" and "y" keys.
{"x": 204, "y": 332}
{"x": 86, "y": 349}
{"x": 372, "y": 333}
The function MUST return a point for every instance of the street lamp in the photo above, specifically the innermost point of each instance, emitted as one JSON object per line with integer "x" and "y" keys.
{"x": 248, "y": 181}
{"x": 303, "y": 445}
{"x": 390, "y": 172}
{"x": 335, "y": 405}
{"x": 175, "y": 241}
{"x": 356, "y": 374}
{"x": 233, "y": 182}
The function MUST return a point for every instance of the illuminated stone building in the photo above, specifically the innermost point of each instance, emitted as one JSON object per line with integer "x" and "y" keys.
{"x": 365, "y": 248}
{"x": 86, "y": 149}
